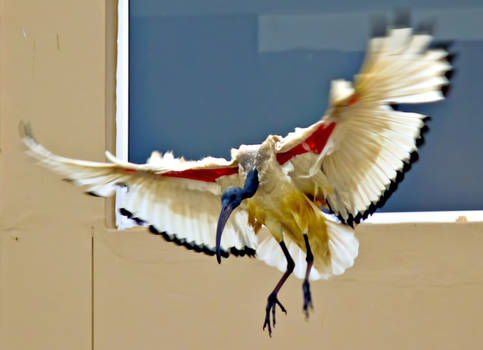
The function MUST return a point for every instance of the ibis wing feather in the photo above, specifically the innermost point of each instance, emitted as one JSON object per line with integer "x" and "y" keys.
{"x": 371, "y": 145}
{"x": 182, "y": 208}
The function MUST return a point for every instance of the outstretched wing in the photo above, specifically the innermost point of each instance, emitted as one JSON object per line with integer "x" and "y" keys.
{"x": 178, "y": 199}
{"x": 357, "y": 154}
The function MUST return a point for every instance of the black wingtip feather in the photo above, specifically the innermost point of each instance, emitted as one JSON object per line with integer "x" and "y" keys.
{"x": 198, "y": 248}
{"x": 92, "y": 193}
{"x": 402, "y": 18}
{"x": 25, "y": 130}
{"x": 378, "y": 26}
{"x": 125, "y": 212}
{"x": 122, "y": 185}
{"x": 153, "y": 230}
{"x": 128, "y": 214}
{"x": 138, "y": 221}
{"x": 445, "y": 89}
{"x": 450, "y": 74}
{"x": 426, "y": 27}
{"x": 442, "y": 45}
{"x": 451, "y": 57}
{"x": 414, "y": 156}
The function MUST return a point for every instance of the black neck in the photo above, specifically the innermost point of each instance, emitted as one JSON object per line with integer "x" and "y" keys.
{"x": 251, "y": 184}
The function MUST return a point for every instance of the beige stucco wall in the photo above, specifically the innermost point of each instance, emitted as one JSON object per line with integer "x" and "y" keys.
{"x": 68, "y": 282}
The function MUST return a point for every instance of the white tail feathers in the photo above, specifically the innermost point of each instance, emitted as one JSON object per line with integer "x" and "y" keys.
{"x": 343, "y": 246}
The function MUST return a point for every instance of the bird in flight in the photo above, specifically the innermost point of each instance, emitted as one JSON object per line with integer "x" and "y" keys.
{"x": 350, "y": 161}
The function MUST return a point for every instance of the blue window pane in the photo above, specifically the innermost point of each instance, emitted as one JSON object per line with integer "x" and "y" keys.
{"x": 201, "y": 84}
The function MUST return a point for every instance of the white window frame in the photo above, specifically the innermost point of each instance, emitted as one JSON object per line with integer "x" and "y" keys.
{"x": 122, "y": 142}
{"x": 122, "y": 101}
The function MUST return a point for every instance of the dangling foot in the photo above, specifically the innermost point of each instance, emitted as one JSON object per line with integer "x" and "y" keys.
{"x": 307, "y": 298}
{"x": 272, "y": 302}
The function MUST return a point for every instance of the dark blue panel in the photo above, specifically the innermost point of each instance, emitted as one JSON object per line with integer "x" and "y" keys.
{"x": 192, "y": 84}
{"x": 198, "y": 86}
{"x": 148, "y": 7}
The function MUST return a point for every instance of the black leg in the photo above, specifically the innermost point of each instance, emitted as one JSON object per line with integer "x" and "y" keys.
{"x": 306, "y": 285}
{"x": 272, "y": 298}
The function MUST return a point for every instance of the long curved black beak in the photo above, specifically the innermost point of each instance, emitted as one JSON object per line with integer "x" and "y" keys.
{"x": 224, "y": 215}
{"x": 231, "y": 198}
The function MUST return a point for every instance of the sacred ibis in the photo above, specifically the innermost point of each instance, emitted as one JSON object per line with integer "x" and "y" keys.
{"x": 350, "y": 161}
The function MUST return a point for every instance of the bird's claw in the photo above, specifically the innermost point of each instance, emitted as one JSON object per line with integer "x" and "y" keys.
{"x": 272, "y": 302}
{"x": 307, "y": 298}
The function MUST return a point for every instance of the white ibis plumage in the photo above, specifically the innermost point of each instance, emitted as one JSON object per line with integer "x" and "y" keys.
{"x": 350, "y": 161}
